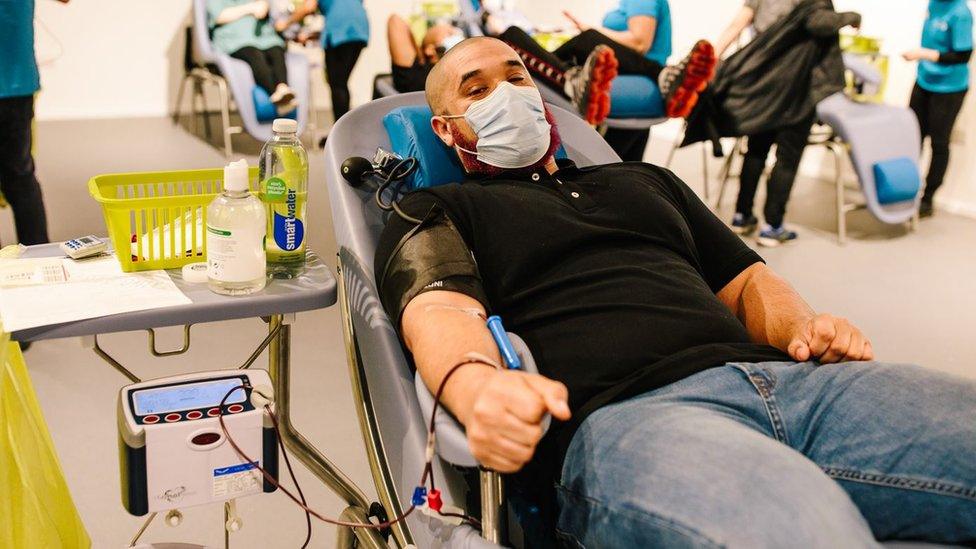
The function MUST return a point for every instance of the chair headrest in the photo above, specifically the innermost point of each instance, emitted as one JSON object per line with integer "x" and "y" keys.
{"x": 411, "y": 136}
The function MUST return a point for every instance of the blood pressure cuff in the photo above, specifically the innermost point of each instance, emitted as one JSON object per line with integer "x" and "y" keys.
{"x": 432, "y": 256}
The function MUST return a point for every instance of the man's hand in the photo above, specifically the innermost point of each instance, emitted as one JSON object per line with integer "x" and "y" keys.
{"x": 281, "y": 24}
{"x": 829, "y": 339}
{"x": 503, "y": 423}
{"x": 260, "y": 9}
{"x": 583, "y": 27}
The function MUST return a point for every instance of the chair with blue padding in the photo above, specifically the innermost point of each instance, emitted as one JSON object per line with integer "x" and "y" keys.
{"x": 883, "y": 143}
{"x": 224, "y": 72}
{"x": 393, "y": 424}
{"x": 394, "y": 405}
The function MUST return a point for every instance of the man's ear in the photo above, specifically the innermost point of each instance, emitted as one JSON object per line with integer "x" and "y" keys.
{"x": 442, "y": 130}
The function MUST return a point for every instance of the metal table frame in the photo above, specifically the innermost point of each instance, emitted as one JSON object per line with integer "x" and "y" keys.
{"x": 277, "y": 304}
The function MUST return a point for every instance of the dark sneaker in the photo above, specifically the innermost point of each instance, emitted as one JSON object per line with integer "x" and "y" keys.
{"x": 742, "y": 225}
{"x": 774, "y": 236}
{"x": 680, "y": 84}
{"x": 589, "y": 86}
{"x": 925, "y": 209}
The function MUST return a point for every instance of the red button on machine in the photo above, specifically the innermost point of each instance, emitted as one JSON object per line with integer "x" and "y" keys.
{"x": 213, "y": 412}
{"x": 195, "y": 414}
{"x": 150, "y": 419}
{"x": 234, "y": 408}
{"x": 205, "y": 439}
{"x": 170, "y": 418}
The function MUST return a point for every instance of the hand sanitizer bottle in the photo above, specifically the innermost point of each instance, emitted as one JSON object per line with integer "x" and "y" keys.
{"x": 236, "y": 224}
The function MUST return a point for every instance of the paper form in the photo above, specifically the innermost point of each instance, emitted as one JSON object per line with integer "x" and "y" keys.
{"x": 90, "y": 289}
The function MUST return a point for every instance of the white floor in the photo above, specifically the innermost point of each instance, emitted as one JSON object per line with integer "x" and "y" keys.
{"x": 913, "y": 294}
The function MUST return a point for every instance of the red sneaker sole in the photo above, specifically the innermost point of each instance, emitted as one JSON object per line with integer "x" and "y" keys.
{"x": 698, "y": 73}
{"x": 604, "y": 71}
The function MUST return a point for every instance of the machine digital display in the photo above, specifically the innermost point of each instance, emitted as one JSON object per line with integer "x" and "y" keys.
{"x": 188, "y": 396}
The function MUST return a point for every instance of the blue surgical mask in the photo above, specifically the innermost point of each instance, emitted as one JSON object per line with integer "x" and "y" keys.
{"x": 511, "y": 126}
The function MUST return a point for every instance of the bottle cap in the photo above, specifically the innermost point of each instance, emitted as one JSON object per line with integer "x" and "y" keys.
{"x": 195, "y": 273}
{"x": 284, "y": 125}
{"x": 235, "y": 176}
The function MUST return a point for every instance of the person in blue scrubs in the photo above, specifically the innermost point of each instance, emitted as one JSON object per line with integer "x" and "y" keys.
{"x": 942, "y": 83}
{"x": 19, "y": 81}
{"x": 642, "y": 25}
{"x": 639, "y": 32}
{"x": 346, "y": 34}
{"x": 243, "y": 30}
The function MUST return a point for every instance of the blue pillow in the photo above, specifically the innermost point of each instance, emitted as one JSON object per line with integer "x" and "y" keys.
{"x": 264, "y": 109}
{"x": 896, "y": 180}
{"x": 633, "y": 96}
{"x": 411, "y": 136}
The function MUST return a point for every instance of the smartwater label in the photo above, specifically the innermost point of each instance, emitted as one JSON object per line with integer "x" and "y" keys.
{"x": 229, "y": 482}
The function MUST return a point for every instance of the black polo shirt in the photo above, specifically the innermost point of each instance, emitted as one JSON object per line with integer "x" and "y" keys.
{"x": 609, "y": 273}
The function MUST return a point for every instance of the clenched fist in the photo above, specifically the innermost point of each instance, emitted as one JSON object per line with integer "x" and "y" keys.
{"x": 503, "y": 423}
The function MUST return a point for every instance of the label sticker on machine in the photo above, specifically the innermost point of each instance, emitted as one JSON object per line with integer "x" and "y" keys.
{"x": 236, "y": 479}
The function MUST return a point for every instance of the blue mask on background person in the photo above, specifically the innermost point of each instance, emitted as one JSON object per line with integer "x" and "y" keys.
{"x": 511, "y": 126}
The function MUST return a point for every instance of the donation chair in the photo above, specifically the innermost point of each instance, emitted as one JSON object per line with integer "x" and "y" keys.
{"x": 392, "y": 415}
{"x": 394, "y": 406}
{"x": 883, "y": 143}
{"x": 209, "y": 66}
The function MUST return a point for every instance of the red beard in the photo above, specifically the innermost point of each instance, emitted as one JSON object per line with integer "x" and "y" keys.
{"x": 474, "y": 166}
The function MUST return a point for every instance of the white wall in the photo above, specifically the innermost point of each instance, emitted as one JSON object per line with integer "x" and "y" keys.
{"x": 123, "y": 58}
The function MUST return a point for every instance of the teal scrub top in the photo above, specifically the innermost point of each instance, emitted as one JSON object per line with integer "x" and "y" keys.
{"x": 948, "y": 28}
{"x": 345, "y": 21}
{"x": 244, "y": 32}
{"x": 659, "y": 10}
{"x": 18, "y": 66}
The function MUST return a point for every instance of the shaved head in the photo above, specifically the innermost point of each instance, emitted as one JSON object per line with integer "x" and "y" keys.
{"x": 447, "y": 71}
{"x": 466, "y": 74}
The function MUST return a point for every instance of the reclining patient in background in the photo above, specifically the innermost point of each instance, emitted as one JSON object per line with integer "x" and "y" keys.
{"x": 243, "y": 30}
{"x": 700, "y": 400}
{"x": 582, "y": 77}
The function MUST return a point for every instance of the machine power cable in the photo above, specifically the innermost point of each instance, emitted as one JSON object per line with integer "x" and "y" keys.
{"x": 426, "y": 478}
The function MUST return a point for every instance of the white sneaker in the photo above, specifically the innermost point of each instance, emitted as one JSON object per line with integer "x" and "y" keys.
{"x": 282, "y": 94}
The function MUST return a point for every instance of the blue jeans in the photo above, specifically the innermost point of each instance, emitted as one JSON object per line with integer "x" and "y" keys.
{"x": 777, "y": 455}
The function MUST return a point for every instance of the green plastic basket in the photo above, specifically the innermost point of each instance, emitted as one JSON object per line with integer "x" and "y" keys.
{"x": 156, "y": 220}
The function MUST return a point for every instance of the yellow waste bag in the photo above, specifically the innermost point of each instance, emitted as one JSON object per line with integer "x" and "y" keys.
{"x": 36, "y": 510}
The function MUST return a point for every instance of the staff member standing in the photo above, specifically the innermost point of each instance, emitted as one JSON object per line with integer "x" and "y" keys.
{"x": 19, "y": 81}
{"x": 790, "y": 140}
{"x": 346, "y": 34}
{"x": 942, "y": 83}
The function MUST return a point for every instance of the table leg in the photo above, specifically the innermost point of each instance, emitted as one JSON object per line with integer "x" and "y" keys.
{"x": 279, "y": 363}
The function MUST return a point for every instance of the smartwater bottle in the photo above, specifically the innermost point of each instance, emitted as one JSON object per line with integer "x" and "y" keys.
{"x": 283, "y": 172}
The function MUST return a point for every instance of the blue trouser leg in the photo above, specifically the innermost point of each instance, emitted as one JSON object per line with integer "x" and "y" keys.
{"x": 747, "y": 455}
{"x": 900, "y": 439}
